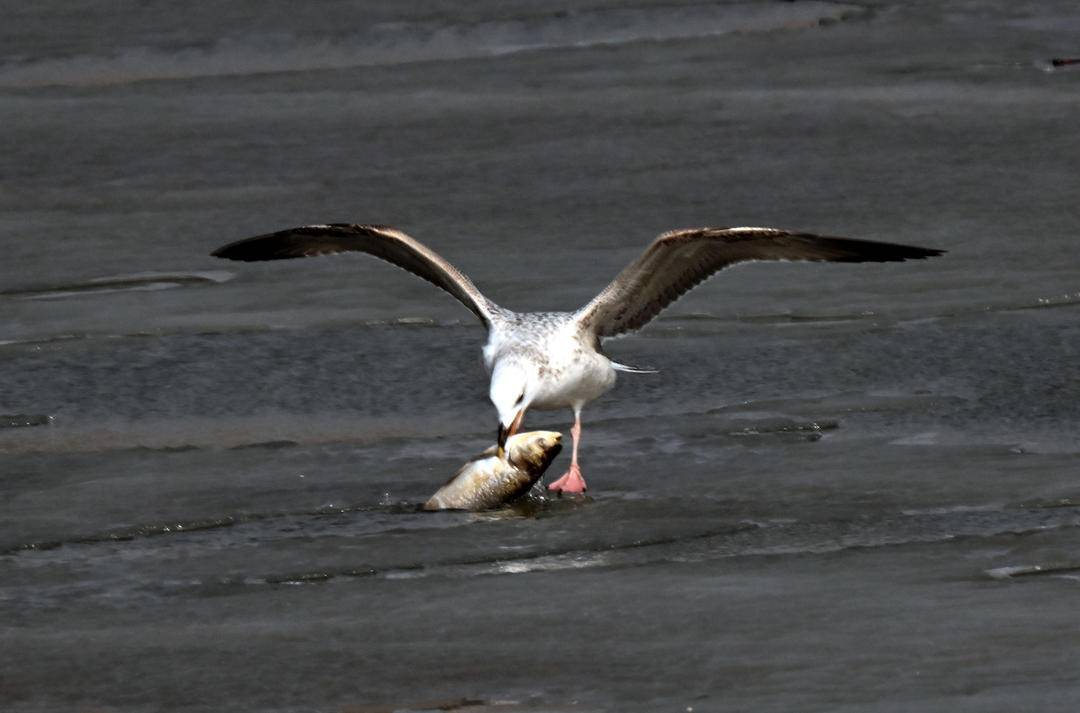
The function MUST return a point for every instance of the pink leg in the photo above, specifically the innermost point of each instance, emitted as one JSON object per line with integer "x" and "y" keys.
{"x": 571, "y": 481}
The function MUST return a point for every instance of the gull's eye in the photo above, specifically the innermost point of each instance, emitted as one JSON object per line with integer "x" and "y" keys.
{"x": 520, "y": 399}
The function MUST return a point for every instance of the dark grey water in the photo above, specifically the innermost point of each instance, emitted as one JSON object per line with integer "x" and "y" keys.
{"x": 850, "y": 488}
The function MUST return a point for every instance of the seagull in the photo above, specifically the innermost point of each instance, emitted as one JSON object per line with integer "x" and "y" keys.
{"x": 553, "y": 360}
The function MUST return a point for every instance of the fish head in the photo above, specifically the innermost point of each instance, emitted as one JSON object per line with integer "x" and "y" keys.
{"x": 533, "y": 451}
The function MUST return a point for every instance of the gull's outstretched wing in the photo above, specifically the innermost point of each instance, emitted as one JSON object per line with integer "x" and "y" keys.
{"x": 381, "y": 241}
{"x": 679, "y": 260}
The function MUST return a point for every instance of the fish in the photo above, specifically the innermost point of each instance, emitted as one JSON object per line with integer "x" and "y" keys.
{"x": 487, "y": 481}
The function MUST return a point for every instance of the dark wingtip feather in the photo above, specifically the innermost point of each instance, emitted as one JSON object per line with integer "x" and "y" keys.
{"x": 900, "y": 253}
{"x": 302, "y": 241}
{"x": 871, "y": 251}
{"x": 225, "y": 251}
{"x": 234, "y": 251}
{"x": 263, "y": 247}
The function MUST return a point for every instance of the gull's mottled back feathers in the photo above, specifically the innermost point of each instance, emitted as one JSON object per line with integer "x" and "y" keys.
{"x": 381, "y": 241}
{"x": 679, "y": 260}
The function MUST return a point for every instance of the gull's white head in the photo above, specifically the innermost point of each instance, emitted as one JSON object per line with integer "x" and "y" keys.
{"x": 511, "y": 395}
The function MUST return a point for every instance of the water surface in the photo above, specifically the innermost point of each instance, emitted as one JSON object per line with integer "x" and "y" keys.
{"x": 849, "y": 488}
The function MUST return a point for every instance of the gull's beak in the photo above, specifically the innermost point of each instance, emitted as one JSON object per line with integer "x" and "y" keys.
{"x": 505, "y": 432}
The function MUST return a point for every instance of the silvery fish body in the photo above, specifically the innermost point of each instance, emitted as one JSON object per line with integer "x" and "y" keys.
{"x": 488, "y": 481}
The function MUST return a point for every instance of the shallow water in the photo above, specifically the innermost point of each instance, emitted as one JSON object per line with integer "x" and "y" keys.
{"x": 849, "y": 488}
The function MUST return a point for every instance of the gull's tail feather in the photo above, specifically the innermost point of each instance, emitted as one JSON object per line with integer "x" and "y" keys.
{"x": 633, "y": 369}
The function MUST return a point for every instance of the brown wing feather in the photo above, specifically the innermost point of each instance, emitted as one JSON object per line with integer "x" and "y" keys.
{"x": 679, "y": 260}
{"x": 381, "y": 241}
